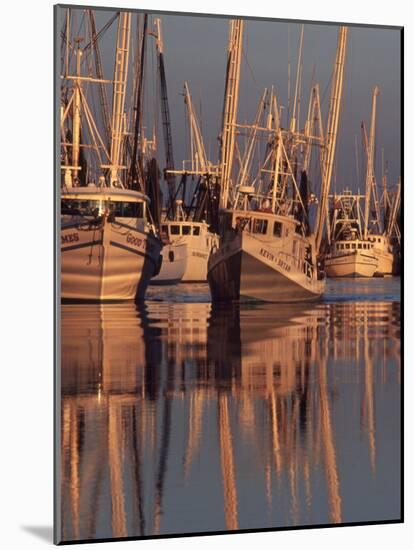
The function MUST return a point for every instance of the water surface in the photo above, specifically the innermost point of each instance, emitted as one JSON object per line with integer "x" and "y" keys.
{"x": 178, "y": 416}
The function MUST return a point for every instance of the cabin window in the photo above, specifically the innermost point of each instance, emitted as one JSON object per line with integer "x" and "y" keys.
{"x": 164, "y": 229}
{"x": 196, "y": 230}
{"x": 73, "y": 207}
{"x": 175, "y": 230}
{"x": 122, "y": 209}
{"x": 277, "y": 229}
{"x": 359, "y": 245}
{"x": 126, "y": 209}
{"x": 347, "y": 246}
{"x": 353, "y": 245}
{"x": 294, "y": 246}
{"x": 186, "y": 229}
{"x": 259, "y": 226}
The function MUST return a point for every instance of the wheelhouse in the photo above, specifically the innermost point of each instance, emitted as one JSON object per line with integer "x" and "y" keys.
{"x": 344, "y": 246}
{"x": 120, "y": 203}
{"x": 175, "y": 229}
{"x": 261, "y": 223}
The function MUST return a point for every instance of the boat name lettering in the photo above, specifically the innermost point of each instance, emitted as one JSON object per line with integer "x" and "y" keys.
{"x": 200, "y": 255}
{"x": 267, "y": 255}
{"x": 137, "y": 242}
{"x": 283, "y": 265}
{"x": 71, "y": 238}
{"x": 271, "y": 257}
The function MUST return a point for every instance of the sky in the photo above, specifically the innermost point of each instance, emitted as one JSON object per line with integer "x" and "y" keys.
{"x": 195, "y": 50}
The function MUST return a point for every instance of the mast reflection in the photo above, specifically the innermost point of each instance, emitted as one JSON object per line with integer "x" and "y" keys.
{"x": 173, "y": 412}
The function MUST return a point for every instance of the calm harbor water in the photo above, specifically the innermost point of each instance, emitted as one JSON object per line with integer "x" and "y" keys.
{"x": 182, "y": 417}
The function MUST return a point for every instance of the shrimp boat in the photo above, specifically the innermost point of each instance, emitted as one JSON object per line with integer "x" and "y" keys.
{"x": 184, "y": 229}
{"x": 350, "y": 255}
{"x": 388, "y": 244}
{"x": 266, "y": 257}
{"x": 197, "y": 241}
{"x": 360, "y": 241}
{"x": 268, "y": 251}
{"x": 109, "y": 247}
{"x": 380, "y": 241}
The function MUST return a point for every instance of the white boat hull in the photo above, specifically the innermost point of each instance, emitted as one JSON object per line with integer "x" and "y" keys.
{"x": 111, "y": 261}
{"x": 197, "y": 257}
{"x": 198, "y": 252}
{"x": 247, "y": 269}
{"x": 385, "y": 261}
{"x": 174, "y": 264}
{"x": 199, "y": 242}
{"x": 353, "y": 264}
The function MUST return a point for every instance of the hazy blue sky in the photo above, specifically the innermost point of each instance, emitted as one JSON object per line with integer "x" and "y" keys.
{"x": 195, "y": 50}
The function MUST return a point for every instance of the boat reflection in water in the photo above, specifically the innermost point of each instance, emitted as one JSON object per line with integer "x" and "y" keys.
{"x": 183, "y": 417}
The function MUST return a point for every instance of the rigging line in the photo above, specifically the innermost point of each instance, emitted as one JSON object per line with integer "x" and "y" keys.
{"x": 81, "y": 24}
{"x": 69, "y": 46}
{"x": 244, "y": 54}
{"x": 101, "y": 32}
{"x": 325, "y": 91}
{"x": 63, "y": 36}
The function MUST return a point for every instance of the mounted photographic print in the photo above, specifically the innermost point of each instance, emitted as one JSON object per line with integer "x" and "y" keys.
{"x": 228, "y": 259}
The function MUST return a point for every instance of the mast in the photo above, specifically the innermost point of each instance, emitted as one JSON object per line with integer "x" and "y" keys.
{"x": 231, "y": 98}
{"x": 77, "y": 109}
{"x": 392, "y": 222}
{"x": 76, "y": 114}
{"x": 313, "y": 124}
{"x": 202, "y": 164}
{"x": 370, "y": 161}
{"x": 99, "y": 73}
{"x": 165, "y": 113}
{"x": 331, "y": 135}
{"x": 136, "y": 160}
{"x": 247, "y": 158}
{"x": 118, "y": 98}
{"x": 298, "y": 69}
{"x": 276, "y": 169}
